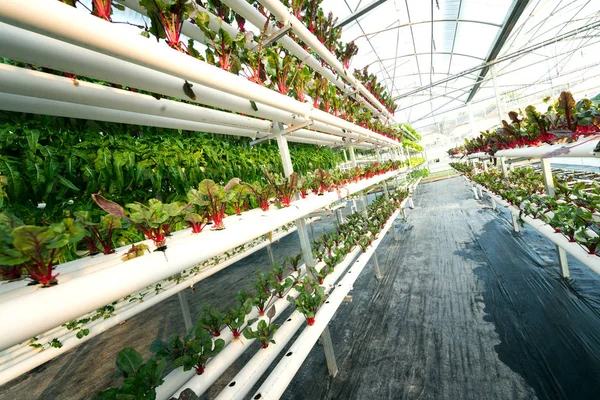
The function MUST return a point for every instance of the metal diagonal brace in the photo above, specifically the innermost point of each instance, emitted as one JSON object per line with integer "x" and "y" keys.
{"x": 285, "y": 132}
{"x": 278, "y": 34}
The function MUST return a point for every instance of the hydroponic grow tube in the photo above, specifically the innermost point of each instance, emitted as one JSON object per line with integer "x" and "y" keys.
{"x": 589, "y": 260}
{"x": 37, "y": 312}
{"x": 283, "y": 14}
{"x": 279, "y": 379}
{"x": 61, "y": 21}
{"x": 584, "y": 147}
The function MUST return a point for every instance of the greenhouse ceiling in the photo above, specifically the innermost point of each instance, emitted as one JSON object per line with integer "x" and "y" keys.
{"x": 434, "y": 56}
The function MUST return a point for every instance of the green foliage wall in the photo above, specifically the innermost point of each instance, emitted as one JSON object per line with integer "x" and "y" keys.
{"x": 59, "y": 160}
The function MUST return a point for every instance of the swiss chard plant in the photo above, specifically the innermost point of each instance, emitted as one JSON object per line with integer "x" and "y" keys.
{"x": 99, "y": 235}
{"x": 140, "y": 379}
{"x": 239, "y": 196}
{"x": 262, "y": 292}
{"x": 212, "y": 320}
{"x": 213, "y": 198}
{"x": 225, "y": 48}
{"x": 190, "y": 352}
{"x": 167, "y": 18}
{"x": 309, "y": 300}
{"x": 37, "y": 249}
{"x": 236, "y": 316}
{"x": 262, "y": 193}
{"x": 285, "y": 189}
{"x": 264, "y": 330}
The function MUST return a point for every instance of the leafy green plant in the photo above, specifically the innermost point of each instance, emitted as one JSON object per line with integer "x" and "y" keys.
{"x": 136, "y": 250}
{"x": 285, "y": 189}
{"x": 293, "y": 262}
{"x": 236, "y": 317}
{"x": 192, "y": 351}
{"x": 212, "y": 320}
{"x": 214, "y": 198}
{"x": 99, "y": 235}
{"x": 226, "y": 48}
{"x": 262, "y": 294}
{"x": 264, "y": 330}
{"x": 309, "y": 300}
{"x": 262, "y": 193}
{"x": 140, "y": 379}
{"x": 238, "y": 196}
{"x": 38, "y": 248}
{"x": 167, "y": 17}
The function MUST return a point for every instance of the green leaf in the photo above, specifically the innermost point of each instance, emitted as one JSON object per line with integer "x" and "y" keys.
{"x": 129, "y": 362}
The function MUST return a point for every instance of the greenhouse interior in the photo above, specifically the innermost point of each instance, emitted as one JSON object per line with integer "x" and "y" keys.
{"x": 299, "y": 199}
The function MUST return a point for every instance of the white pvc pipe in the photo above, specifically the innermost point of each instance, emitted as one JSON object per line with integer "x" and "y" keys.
{"x": 38, "y": 312}
{"x": 11, "y": 370}
{"x": 40, "y": 50}
{"x": 245, "y": 379}
{"x": 63, "y": 22}
{"x": 274, "y": 386}
{"x": 282, "y": 13}
{"x": 584, "y": 147}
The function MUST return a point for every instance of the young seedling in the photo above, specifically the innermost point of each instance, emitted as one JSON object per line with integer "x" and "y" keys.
{"x": 262, "y": 294}
{"x": 99, "y": 235}
{"x": 264, "y": 330}
{"x": 135, "y": 251}
{"x": 212, "y": 320}
{"x": 309, "y": 300}
{"x": 192, "y": 351}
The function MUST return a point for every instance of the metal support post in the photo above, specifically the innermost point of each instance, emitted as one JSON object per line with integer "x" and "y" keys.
{"x": 475, "y": 193}
{"x": 305, "y": 246}
{"x": 493, "y": 203}
{"x": 411, "y": 204}
{"x": 549, "y": 183}
{"x": 481, "y": 193}
{"x": 496, "y": 93}
{"x": 376, "y": 268}
{"x": 515, "y": 223}
{"x": 271, "y": 256}
{"x": 185, "y": 309}
{"x": 329, "y": 354}
{"x": 339, "y": 216}
{"x": 504, "y": 169}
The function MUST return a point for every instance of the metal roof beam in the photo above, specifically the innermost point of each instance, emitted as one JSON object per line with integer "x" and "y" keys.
{"x": 509, "y": 23}
{"x": 369, "y": 7}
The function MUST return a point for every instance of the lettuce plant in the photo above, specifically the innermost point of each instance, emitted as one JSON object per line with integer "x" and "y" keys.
{"x": 309, "y": 299}
{"x": 192, "y": 351}
{"x": 264, "y": 330}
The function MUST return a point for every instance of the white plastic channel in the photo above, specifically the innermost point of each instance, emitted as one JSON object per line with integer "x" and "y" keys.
{"x": 18, "y": 366}
{"x": 584, "y": 147}
{"x": 576, "y": 250}
{"x": 37, "y": 312}
{"x": 279, "y": 379}
{"x": 63, "y": 22}
{"x": 245, "y": 379}
{"x": 284, "y": 15}
{"x": 253, "y": 16}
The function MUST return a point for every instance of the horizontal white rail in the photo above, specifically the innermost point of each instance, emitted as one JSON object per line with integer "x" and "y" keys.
{"x": 37, "y": 312}
{"x": 63, "y": 22}
{"x": 576, "y": 250}
{"x": 279, "y": 379}
{"x": 584, "y": 147}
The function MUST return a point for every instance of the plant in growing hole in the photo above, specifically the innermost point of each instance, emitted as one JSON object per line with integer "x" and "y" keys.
{"x": 192, "y": 351}
{"x": 214, "y": 198}
{"x": 9, "y": 271}
{"x": 38, "y": 248}
{"x": 281, "y": 70}
{"x": 167, "y": 17}
{"x": 264, "y": 330}
{"x": 195, "y": 221}
{"x": 187, "y": 394}
{"x": 262, "y": 294}
{"x": 300, "y": 83}
{"x": 135, "y": 251}
{"x": 321, "y": 274}
{"x": 225, "y": 47}
{"x": 281, "y": 287}
{"x": 322, "y": 181}
{"x": 212, "y": 320}
{"x": 140, "y": 379}
{"x": 285, "y": 189}
{"x": 364, "y": 242}
{"x": 309, "y": 300}
{"x": 262, "y": 194}
{"x": 103, "y": 9}
{"x": 99, "y": 235}
{"x": 155, "y": 220}
{"x": 238, "y": 196}
{"x": 236, "y": 317}
{"x": 294, "y": 262}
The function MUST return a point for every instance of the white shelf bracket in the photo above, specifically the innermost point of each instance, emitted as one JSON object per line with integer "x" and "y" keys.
{"x": 277, "y": 34}
{"x": 287, "y": 131}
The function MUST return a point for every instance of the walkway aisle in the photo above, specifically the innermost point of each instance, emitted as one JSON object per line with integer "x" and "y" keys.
{"x": 466, "y": 310}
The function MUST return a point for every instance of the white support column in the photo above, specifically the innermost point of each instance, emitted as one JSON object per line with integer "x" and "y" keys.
{"x": 364, "y": 210}
{"x": 493, "y": 203}
{"x": 549, "y": 183}
{"x": 504, "y": 169}
{"x": 475, "y": 193}
{"x": 497, "y": 94}
{"x": 485, "y": 165}
{"x": 305, "y": 246}
{"x": 339, "y": 216}
{"x": 515, "y": 222}
{"x": 481, "y": 193}
{"x": 185, "y": 309}
{"x": 270, "y": 253}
